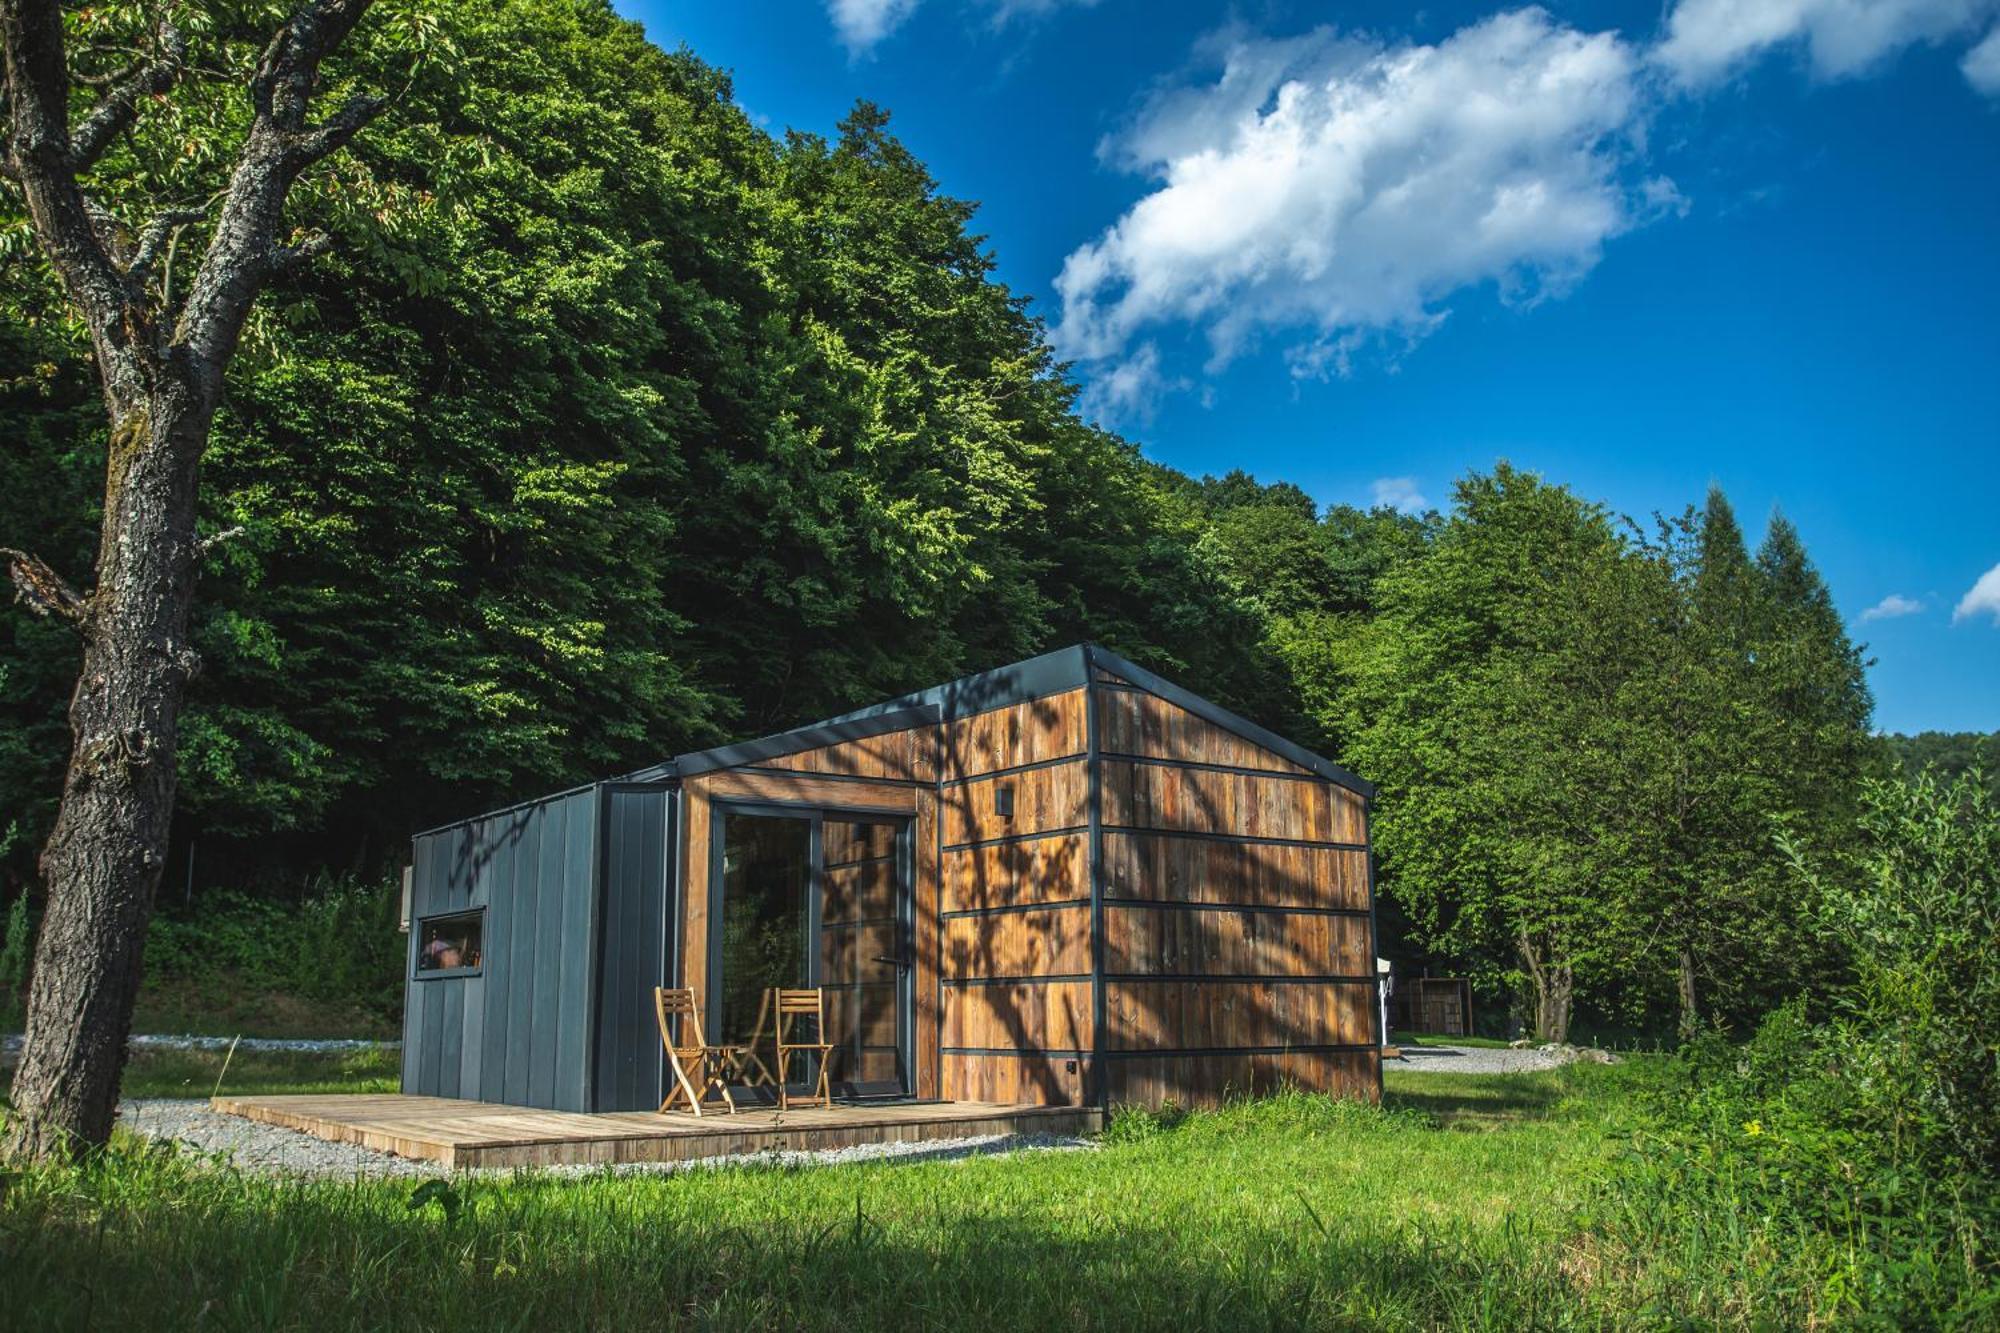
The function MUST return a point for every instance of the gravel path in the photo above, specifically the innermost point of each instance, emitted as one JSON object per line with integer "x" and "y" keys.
{"x": 275, "y": 1150}
{"x": 1491, "y": 1059}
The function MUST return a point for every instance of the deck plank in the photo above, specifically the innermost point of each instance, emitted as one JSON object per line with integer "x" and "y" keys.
{"x": 468, "y": 1134}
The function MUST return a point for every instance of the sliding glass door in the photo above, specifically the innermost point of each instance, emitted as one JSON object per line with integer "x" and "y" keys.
{"x": 816, "y": 898}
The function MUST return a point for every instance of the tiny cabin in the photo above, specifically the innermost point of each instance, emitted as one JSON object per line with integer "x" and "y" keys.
{"x": 1063, "y": 882}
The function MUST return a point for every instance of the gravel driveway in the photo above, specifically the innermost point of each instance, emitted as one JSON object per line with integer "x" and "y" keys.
{"x": 276, "y": 1150}
{"x": 1492, "y": 1059}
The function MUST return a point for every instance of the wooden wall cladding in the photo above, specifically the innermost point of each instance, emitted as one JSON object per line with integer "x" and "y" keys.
{"x": 1233, "y": 943}
{"x": 1164, "y": 868}
{"x": 1025, "y": 733}
{"x": 903, "y": 756}
{"x": 1195, "y": 1015}
{"x": 1045, "y": 799}
{"x": 1050, "y": 942}
{"x": 1201, "y": 800}
{"x": 1035, "y": 1080}
{"x": 1025, "y": 1016}
{"x": 748, "y": 784}
{"x": 1015, "y": 874}
{"x": 1134, "y": 722}
{"x": 1209, "y": 1079}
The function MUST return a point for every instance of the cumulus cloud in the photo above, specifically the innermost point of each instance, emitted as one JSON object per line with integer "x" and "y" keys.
{"x": 1983, "y": 599}
{"x": 1129, "y": 389}
{"x": 1346, "y": 187}
{"x": 863, "y": 24}
{"x": 1708, "y": 40}
{"x": 1399, "y": 493}
{"x": 1892, "y": 607}
{"x": 1981, "y": 65}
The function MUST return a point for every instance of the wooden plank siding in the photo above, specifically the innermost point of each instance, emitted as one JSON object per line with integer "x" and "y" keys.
{"x": 1238, "y": 950}
{"x": 1017, "y": 990}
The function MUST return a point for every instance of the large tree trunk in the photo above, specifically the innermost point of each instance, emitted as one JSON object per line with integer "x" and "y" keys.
{"x": 1690, "y": 1016}
{"x": 103, "y": 861}
{"x": 1554, "y": 985}
{"x": 161, "y": 364}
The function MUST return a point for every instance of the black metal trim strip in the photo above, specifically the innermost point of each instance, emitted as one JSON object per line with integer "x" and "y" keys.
{"x": 1012, "y": 908}
{"x": 860, "y": 921}
{"x": 829, "y": 777}
{"x": 1222, "y": 717}
{"x": 1071, "y": 977}
{"x": 1327, "y": 1048}
{"x": 1012, "y": 838}
{"x": 1262, "y": 909}
{"x": 1081, "y": 756}
{"x": 1246, "y": 838}
{"x": 1199, "y": 766}
{"x": 1094, "y": 782}
{"x": 1023, "y": 1052}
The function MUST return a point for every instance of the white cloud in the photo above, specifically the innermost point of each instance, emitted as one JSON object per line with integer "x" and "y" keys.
{"x": 1345, "y": 187}
{"x": 1708, "y": 40}
{"x": 1983, "y": 599}
{"x": 1130, "y": 389}
{"x": 1892, "y": 606}
{"x": 1981, "y": 65}
{"x": 1399, "y": 493}
{"x": 863, "y": 24}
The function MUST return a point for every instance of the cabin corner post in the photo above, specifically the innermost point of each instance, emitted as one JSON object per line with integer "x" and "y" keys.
{"x": 1374, "y": 942}
{"x": 1100, "y": 1080}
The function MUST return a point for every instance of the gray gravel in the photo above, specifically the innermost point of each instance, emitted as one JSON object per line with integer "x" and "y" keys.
{"x": 276, "y": 1150}
{"x": 1492, "y": 1059}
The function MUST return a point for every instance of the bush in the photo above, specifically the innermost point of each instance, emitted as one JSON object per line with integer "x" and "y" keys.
{"x": 15, "y": 933}
{"x": 340, "y": 945}
{"x": 1846, "y": 1169}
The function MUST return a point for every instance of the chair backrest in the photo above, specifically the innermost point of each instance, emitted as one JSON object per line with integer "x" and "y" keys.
{"x": 677, "y": 1002}
{"x": 796, "y": 1004}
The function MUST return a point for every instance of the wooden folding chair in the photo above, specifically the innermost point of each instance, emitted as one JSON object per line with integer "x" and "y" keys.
{"x": 791, "y": 1006}
{"x": 692, "y": 1052}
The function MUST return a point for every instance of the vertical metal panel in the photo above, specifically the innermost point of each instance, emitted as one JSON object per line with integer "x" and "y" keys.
{"x": 633, "y": 908}
{"x": 542, "y": 849}
{"x": 518, "y": 883}
{"x": 574, "y": 857}
{"x": 494, "y": 1022}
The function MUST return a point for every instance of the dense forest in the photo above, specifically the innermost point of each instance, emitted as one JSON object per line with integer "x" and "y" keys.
{"x": 615, "y": 426}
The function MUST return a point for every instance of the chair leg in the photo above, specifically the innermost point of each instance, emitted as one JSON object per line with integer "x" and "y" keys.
{"x": 681, "y": 1088}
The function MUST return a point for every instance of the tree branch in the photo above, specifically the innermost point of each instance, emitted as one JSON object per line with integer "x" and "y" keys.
{"x": 43, "y": 590}
{"x": 156, "y": 235}
{"x": 331, "y": 136}
{"x": 120, "y": 107}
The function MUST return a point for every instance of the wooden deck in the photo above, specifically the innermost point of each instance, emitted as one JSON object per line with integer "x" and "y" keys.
{"x": 464, "y": 1134}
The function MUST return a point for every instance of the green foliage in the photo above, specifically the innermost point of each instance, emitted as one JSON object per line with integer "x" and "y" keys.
{"x": 1948, "y": 753}
{"x": 1849, "y": 1167}
{"x": 338, "y": 945}
{"x": 613, "y": 427}
{"x": 16, "y": 931}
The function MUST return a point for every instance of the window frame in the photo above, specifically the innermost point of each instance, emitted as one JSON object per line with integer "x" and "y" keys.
{"x": 418, "y": 973}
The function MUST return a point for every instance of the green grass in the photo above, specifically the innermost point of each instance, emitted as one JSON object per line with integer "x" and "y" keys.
{"x": 156, "y": 1073}
{"x": 1428, "y": 1039}
{"x": 1461, "y": 1204}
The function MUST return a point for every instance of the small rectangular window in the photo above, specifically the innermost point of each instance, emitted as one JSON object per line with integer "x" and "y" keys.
{"x": 450, "y": 944}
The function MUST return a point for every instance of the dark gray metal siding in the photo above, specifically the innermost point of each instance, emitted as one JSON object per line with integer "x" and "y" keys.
{"x": 635, "y": 910}
{"x": 519, "y": 1032}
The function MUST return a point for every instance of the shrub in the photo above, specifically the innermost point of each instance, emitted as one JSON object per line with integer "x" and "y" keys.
{"x": 1846, "y": 1169}
{"x": 15, "y": 934}
{"x": 340, "y": 945}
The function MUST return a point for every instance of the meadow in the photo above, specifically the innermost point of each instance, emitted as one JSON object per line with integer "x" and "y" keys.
{"x": 1465, "y": 1201}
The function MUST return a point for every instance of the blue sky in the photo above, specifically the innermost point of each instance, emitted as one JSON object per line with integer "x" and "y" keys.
{"x": 1368, "y": 248}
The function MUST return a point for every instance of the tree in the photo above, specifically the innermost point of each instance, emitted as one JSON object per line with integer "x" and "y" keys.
{"x": 1491, "y": 694}
{"x": 161, "y": 349}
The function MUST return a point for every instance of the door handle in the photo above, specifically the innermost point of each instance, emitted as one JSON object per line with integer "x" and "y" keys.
{"x": 902, "y": 963}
